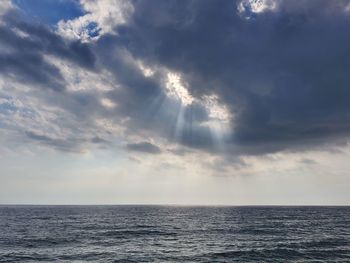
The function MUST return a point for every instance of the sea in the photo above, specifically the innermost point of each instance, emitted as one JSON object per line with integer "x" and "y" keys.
{"x": 174, "y": 234}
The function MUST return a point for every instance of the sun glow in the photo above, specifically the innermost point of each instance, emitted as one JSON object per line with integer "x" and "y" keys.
{"x": 219, "y": 121}
{"x": 219, "y": 116}
{"x": 256, "y": 6}
{"x": 146, "y": 70}
{"x": 108, "y": 103}
{"x": 176, "y": 89}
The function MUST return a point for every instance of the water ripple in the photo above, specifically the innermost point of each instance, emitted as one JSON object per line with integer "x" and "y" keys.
{"x": 174, "y": 234}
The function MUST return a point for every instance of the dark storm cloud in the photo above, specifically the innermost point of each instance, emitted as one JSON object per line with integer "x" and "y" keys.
{"x": 144, "y": 147}
{"x": 284, "y": 73}
{"x": 23, "y": 46}
{"x": 144, "y": 100}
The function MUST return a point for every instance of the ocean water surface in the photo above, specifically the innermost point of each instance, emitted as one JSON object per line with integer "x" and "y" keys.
{"x": 174, "y": 234}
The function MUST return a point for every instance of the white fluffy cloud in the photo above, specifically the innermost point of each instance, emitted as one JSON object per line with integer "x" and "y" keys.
{"x": 100, "y": 18}
{"x": 5, "y": 5}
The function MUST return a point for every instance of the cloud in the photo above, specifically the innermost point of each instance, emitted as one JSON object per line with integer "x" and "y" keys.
{"x": 196, "y": 74}
{"x": 71, "y": 145}
{"x": 144, "y": 147}
{"x": 251, "y": 7}
{"x": 98, "y": 140}
{"x": 24, "y": 46}
{"x": 101, "y": 17}
{"x": 283, "y": 75}
{"x": 307, "y": 161}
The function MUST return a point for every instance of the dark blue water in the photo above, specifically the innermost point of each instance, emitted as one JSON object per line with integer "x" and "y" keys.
{"x": 174, "y": 234}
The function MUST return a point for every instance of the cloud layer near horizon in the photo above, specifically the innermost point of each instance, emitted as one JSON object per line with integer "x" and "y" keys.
{"x": 234, "y": 78}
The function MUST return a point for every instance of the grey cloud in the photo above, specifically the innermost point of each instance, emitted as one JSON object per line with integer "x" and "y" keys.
{"x": 30, "y": 67}
{"x": 23, "y": 56}
{"x": 140, "y": 99}
{"x": 42, "y": 38}
{"x": 144, "y": 100}
{"x": 180, "y": 151}
{"x": 66, "y": 145}
{"x": 98, "y": 140}
{"x": 144, "y": 147}
{"x": 284, "y": 74}
{"x": 308, "y": 161}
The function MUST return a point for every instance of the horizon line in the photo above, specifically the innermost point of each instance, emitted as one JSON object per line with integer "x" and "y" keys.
{"x": 188, "y": 205}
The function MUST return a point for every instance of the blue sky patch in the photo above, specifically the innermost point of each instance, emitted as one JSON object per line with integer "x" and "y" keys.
{"x": 50, "y": 12}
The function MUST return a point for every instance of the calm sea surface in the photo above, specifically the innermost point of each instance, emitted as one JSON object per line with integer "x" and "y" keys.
{"x": 174, "y": 234}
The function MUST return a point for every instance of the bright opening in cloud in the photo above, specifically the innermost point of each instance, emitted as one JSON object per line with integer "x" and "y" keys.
{"x": 220, "y": 118}
{"x": 176, "y": 89}
{"x": 147, "y": 71}
{"x": 256, "y": 6}
{"x": 216, "y": 110}
{"x": 108, "y": 103}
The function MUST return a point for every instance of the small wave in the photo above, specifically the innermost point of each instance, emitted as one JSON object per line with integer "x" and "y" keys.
{"x": 261, "y": 253}
{"x": 135, "y": 233}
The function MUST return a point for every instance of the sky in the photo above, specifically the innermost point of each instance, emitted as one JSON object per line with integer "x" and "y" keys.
{"x": 196, "y": 102}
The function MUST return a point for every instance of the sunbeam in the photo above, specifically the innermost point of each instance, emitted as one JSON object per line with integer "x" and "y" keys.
{"x": 218, "y": 116}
